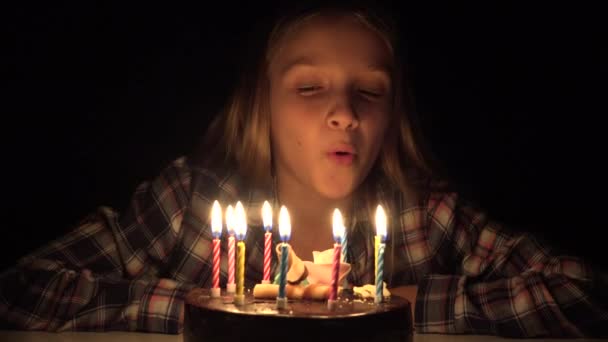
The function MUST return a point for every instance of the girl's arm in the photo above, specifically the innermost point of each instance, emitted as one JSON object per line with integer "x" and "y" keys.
{"x": 104, "y": 274}
{"x": 502, "y": 282}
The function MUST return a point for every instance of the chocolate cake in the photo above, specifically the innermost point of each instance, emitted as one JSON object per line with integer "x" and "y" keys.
{"x": 352, "y": 319}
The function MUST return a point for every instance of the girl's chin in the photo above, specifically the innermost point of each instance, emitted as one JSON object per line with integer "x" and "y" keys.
{"x": 335, "y": 191}
{"x": 335, "y": 186}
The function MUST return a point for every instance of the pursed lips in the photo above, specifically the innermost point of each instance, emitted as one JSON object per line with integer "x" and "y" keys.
{"x": 342, "y": 154}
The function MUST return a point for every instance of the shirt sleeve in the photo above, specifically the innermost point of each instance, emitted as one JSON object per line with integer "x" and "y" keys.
{"x": 505, "y": 283}
{"x": 104, "y": 274}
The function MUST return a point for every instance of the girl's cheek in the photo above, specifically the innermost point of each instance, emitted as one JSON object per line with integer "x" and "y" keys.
{"x": 375, "y": 108}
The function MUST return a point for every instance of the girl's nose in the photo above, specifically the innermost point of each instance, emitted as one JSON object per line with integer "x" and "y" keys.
{"x": 343, "y": 116}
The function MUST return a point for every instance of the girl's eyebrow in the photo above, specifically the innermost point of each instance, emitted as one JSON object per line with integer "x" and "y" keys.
{"x": 381, "y": 67}
{"x": 296, "y": 62}
{"x": 307, "y": 61}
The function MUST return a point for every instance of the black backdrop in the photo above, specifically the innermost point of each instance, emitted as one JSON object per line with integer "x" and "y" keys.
{"x": 100, "y": 96}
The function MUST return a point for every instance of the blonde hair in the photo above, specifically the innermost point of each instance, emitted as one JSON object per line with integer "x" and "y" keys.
{"x": 240, "y": 135}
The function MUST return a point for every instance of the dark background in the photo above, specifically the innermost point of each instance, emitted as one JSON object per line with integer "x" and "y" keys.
{"x": 99, "y": 97}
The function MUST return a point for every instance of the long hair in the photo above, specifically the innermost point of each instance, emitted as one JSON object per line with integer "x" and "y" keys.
{"x": 240, "y": 134}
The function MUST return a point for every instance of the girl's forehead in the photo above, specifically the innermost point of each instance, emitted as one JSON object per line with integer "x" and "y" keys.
{"x": 332, "y": 39}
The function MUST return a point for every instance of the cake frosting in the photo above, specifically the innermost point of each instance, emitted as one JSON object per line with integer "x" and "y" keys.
{"x": 355, "y": 317}
{"x": 312, "y": 279}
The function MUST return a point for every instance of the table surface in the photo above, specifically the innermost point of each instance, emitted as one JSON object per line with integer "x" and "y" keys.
{"x": 24, "y": 336}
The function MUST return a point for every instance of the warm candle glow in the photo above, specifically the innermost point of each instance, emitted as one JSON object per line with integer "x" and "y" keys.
{"x": 267, "y": 220}
{"x": 231, "y": 287}
{"x": 216, "y": 220}
{"x": 267, "y": 216}
{"x": 240, "y": 278}
{"x": 240, "y": 221}
{"x": 381, "y": 223}
{"x": 338, "y": 226}
{"x": 284, "y": 224}
{"x": 230, "y": 219}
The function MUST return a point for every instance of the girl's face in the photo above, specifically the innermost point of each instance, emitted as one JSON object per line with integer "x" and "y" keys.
{"x": 330, "y": 98}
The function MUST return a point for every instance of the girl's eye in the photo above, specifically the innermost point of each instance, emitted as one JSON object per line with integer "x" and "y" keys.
{"x": 370, "y": 93}
{"x": 308, "y": 89}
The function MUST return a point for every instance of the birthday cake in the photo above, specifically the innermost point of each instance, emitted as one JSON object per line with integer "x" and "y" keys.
{"x": 354, "y": 316}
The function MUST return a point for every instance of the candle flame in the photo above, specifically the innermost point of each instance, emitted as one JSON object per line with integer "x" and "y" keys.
{"x": 267, "y": 216}
{"x": 216, "y": 219}
{"x": 240, "y": 221}
{"x": 284, "y": 224}
{"x": 338, "y": 226}
{"x": 230, "y": 219}
{"x": 380, "y": 223}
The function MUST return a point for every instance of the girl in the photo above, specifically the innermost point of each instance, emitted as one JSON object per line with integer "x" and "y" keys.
{"x": 324, "y": 122}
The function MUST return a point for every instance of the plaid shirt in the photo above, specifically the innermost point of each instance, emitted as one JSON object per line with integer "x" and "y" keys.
{"x": 132, "y": 271}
